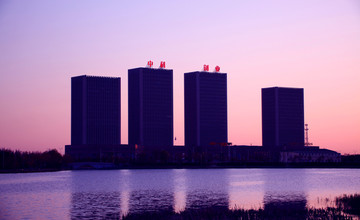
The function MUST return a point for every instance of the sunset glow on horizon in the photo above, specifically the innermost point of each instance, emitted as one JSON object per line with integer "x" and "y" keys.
{"x": 303, "y": 44}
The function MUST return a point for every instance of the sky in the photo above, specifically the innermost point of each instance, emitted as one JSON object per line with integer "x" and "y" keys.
{"x": 313, "y": 45}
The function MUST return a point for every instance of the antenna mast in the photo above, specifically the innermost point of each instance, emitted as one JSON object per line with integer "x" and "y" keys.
{"x": 307, "y": 136}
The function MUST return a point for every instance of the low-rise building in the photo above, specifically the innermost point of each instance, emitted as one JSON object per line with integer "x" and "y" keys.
{"x": 310, "y": 155}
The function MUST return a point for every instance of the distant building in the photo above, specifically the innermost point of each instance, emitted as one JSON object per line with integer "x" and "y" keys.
{"x": 95, "y": 120}
{"x": 99, "y": 153}
{"x": 95, "y": 110}
{"x": 310, "y": 155}
{"x": 283, "y": 118}
{"x": 249, "y": 154}
{"x": 150, "y": 107}
{"x": 205, "y": 109}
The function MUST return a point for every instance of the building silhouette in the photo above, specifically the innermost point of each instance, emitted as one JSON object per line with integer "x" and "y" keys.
{"x": 95, "y": 110}
{"x": 150, "y": 105}
{"x": 283, "y": 118}
{"x": 95, "y": 120}
{"x": 205, "y": 109}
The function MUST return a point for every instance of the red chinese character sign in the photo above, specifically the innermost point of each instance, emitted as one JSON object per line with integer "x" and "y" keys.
{"x": 217, "y": 69}
{"x": 206, "y": 67}
{"x": 150, "y": 63}
{"x": 162, "y": 64}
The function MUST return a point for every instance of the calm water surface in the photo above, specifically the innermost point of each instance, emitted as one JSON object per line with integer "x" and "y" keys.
{"x": 113, "y": 193}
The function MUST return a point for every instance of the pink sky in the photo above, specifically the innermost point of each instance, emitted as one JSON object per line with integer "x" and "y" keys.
{"x": 313, "y": 45}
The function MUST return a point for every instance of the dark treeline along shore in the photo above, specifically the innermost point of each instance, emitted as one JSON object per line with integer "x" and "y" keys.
{"x": 52, "y": 160}
{"x": 24, "y": 161}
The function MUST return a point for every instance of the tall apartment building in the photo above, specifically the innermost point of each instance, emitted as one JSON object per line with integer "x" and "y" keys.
{"x": 95, "y": 110}
{"x": 150, "y": 92}
{"x": 205, "y": 109}
{"x": 283, "y": 118}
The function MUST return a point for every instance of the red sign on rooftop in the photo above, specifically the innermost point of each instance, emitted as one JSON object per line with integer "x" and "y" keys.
{"x": 150, "y": 63}
{"x": 206, "y": 68}
{"x": 217, "y": 69}
{"x": 162, "y": 64}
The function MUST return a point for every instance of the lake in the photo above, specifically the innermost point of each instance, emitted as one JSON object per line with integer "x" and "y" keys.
{"x": 96, "y": 194}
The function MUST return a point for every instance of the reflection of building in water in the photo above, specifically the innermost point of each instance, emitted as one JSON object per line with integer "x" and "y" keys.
{"x": 96, "y": 196}
{"x": 124, "y": 207}
{"x": 284, "y": 193}
{"x": 95, "y": 205}
{"x": 204, "y": 191}
{"x": 150, "y": 201}
{"x": 205, "y": 199}
{"x": 151, "y": 191}
{"x": 284, "y": 202}
{"x": 125, "y": 192}
{"x": 179, "y": 190}
{"x": 246, "y": 189}
{"x": 179, "y": 201}
{"x": 285, "y": 206}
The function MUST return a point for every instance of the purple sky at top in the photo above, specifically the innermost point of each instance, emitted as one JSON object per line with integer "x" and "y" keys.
{"x": 313, "y": 45}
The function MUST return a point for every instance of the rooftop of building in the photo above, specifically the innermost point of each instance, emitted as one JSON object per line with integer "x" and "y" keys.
{"x": 314, "y": 149}
{"x": 278, "y": 87}
{"x": 209, "y": 72}
{"x": 91, "y": 76}
{"x": 151, "y": 68}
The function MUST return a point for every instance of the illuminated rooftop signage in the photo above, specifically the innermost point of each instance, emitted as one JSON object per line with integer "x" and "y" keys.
{"x": 150, "y": 63}
{"x": 206, "y": 68}
{"x": 162, "y": 64}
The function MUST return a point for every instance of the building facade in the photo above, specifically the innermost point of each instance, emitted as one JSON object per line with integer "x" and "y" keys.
{"x": 205, "y": 109}
{"x": 310, "y": 155}
{"x": 95, "y": 110}
{"x": 283, "y": 118}
{"x": 150, "y": 106}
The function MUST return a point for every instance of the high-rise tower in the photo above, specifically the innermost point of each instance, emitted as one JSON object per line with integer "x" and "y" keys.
{"x": 205, "y": 109}
{"x": 283, "y": 118}
{"x": 95, "y": 110}
{"x": 150, "y": 107}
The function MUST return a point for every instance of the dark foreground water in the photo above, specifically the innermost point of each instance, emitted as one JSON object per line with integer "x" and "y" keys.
{"x": 113, "y": 193}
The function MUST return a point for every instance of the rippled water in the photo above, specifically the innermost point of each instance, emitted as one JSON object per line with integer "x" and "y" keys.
{"x": 113, "y": 193}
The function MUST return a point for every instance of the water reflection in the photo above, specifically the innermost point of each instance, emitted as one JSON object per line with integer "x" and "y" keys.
{"x": 95, "y": 195}
{"x": 245, "y": 191}
{"x": 285, "y": 199}
{"x": 125, "y": 191}
{"x": 113, "y": 194}
{"x": 209, "y": 188}
{"x": 98, "y": 195}
{"x": 285, "y": 203}
{"x": 151, "y": 190}
{"x": 179, "y": 177}
{"x": 34, "y": 196}
{"x": 150, "y": 201}
{"x": 101, "y": 205}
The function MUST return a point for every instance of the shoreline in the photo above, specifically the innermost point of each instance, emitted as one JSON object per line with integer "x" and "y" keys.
{"x": 276, "y": 212}
{"x": 184, "y": 166}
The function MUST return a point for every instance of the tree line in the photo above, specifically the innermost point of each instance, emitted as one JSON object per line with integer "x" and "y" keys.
{"x": 25, "y": 160}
